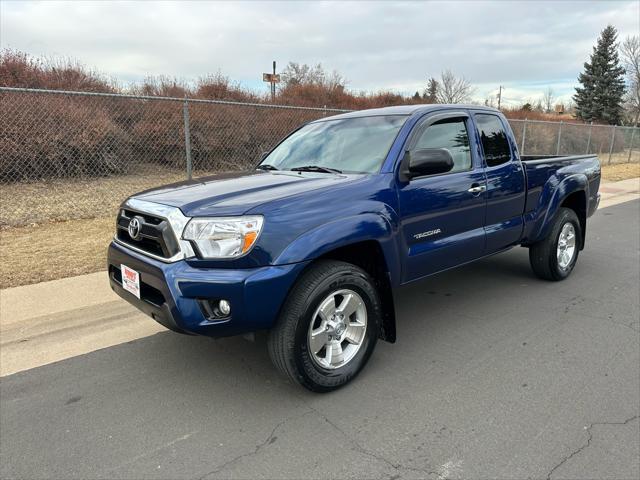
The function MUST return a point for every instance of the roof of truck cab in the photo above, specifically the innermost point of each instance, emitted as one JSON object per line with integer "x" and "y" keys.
{"x": 405, "y": 110}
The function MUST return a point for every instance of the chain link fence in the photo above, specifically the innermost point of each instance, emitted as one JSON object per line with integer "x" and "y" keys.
{"x": 67, "y": 155}
{"x": 612, "y": 144}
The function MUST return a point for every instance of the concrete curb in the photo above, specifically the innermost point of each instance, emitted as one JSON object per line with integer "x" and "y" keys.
{"x": 28, "y": 301}
{"x": 618, "y": 192}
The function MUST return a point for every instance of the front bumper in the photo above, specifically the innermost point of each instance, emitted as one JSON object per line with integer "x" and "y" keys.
{"x": 171, "y": 293}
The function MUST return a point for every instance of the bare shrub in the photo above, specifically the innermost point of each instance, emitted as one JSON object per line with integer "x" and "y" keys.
{"x": 59, "y": 137}
{"x": 230, "y": 137}
{"x": 220, "y": 87}
{"x": 158, "y": 133}
{"x": 18, "y": 69}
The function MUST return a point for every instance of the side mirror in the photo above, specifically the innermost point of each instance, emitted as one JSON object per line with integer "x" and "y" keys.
{"x": 426, "y": 161}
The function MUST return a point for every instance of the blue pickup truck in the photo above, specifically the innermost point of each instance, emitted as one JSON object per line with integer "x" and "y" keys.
{"x": 310, "y": 245}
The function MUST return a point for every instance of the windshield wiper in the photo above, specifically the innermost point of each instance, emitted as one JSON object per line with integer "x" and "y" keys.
{"x": 266, "y": 166}
{"x": 315, "y": 168}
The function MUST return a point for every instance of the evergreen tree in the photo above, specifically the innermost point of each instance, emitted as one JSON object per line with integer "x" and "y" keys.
{"x": 599, "y": 99}
{"x": 430, "y": 94}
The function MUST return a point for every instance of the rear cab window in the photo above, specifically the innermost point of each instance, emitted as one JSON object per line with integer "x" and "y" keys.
{"x": 494, "y": 139}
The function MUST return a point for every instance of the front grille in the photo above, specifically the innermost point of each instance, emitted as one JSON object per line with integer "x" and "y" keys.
{"x": 156, "y": 236}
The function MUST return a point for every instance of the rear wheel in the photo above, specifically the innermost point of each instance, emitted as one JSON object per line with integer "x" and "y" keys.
{"x": 328, "y": 327}
{"x": 554, "y": 257}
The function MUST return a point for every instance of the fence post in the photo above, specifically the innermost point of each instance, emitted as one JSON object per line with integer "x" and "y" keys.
{"x": 524, "y": 136}
{"x": 559, "y": 137}
{"x": 187, "y": 136}
{"x": 633, "y": 134}
{"x": 613, "y": 138}
{"x": 589, "y": 140}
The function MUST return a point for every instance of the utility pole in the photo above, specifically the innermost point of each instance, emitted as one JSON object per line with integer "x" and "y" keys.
{"x": 273, "y": 83}
{"x": 272, "y": 78}
{"x": 499, "y": 97}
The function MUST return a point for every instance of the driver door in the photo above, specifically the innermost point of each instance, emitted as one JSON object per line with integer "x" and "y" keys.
{"x": 442, "y": 215}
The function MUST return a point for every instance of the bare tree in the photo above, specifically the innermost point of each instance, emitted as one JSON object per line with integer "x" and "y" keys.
{"x": 631, "y": 57}
{"x": 538, "y": 107}
{"x": 302, "y": 74}
{"x": 453, "y": 89}
{"x": 547, "y": 99}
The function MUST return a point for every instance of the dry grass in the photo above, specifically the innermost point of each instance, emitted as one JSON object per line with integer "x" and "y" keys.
{"x": 39, "y": 202}
{"x": 53, "y": 250}
{"x": 620, "y": 171}
{"x": 620, "y": 157}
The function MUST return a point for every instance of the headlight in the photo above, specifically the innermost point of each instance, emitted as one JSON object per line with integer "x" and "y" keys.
{"x": 223, "y": 237}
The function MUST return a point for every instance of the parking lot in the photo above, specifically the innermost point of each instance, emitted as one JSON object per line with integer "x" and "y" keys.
{"x": 495, "y": 374}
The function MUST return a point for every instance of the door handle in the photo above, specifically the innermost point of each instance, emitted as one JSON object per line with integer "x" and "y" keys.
{"x": 477, "y": 189}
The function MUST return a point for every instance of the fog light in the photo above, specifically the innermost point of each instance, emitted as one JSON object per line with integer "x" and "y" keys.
{"x": 224, "y": 307}
{"x": 214, "y": 309}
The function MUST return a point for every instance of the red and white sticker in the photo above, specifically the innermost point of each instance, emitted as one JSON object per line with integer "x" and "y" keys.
{"x": 130, "y": 280}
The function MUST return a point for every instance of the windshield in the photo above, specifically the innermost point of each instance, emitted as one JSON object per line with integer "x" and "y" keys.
{"x": 351, "y": 145}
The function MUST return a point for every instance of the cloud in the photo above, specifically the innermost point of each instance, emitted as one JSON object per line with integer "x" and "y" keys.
{"x": 521, "y": 45}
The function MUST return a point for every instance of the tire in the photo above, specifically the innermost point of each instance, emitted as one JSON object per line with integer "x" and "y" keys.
{"x": 317, "y": 295}
{"x": 544, "y": 255}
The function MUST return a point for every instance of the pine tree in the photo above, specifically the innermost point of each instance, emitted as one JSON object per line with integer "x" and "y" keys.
{"x": 430, "y": 94}
{"x": 599, "y": 99}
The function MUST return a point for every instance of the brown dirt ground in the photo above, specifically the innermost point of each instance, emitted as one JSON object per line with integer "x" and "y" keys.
{"x": 36, "y": 253}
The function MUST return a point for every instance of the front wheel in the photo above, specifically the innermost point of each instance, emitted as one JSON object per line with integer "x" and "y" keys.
{"x": 554, "y": 257}
{"x": 328, "y": 326}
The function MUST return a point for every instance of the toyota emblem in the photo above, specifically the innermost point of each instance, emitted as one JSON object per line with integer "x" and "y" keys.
{"x": 135, "y": 227}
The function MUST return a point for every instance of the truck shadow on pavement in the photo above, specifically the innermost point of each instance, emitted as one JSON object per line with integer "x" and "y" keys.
{"x": 427, "y": 311}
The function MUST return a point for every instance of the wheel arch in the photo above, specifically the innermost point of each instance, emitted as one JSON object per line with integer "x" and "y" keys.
{"x": 369, "y": 256}
{"x": 577, "y": 201}
{"x": 571, "y": 192}
{"x": 367, "y": 241}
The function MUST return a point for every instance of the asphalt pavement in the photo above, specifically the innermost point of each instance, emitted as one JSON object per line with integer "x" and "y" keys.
{"x": 495, "y": 374}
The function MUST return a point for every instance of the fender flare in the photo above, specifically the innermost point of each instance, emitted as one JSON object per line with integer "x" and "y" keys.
{"x": 574, "y": 183}
{"x": 344, "y": 232}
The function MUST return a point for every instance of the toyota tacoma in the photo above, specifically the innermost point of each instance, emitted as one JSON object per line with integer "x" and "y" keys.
{"x": 310, "y": 245}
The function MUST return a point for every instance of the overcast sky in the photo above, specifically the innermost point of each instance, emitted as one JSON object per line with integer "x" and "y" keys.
{"x": 525, "y": 46}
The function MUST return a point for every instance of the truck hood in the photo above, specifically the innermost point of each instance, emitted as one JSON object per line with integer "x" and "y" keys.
{"x": 238, "y": 192}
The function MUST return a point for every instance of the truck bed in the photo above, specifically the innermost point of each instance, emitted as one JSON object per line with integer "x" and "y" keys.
{"x": 550, "y": 175}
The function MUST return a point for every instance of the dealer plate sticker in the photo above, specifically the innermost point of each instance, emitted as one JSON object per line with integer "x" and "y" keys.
{"x": 130, "y": 280}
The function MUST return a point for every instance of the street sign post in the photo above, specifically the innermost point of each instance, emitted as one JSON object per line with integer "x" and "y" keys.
{"x": 272, "y": 78}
